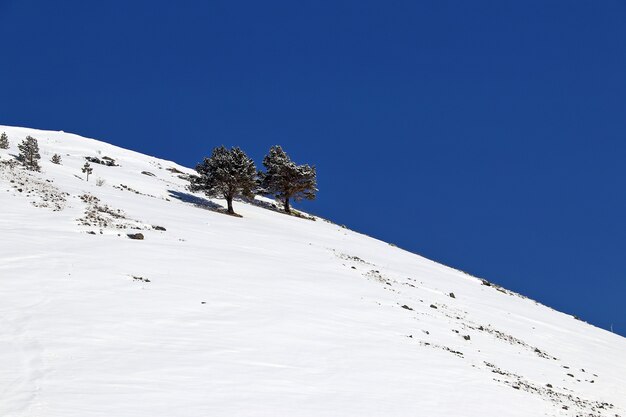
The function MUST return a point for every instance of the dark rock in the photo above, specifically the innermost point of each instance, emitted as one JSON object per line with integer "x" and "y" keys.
{"x": 91, "y": 232}
{"x": 150, "y": 174}
{"x": 486, "y": 283}
{"x": 160, "y": 228}
{"x": 135, "y": 236}
{"x": 467, "y": 337}
{"x": 433, "y": 306}
{"x": 549, "y": 385}
{"x": 406, "y": 307}
{"x": 452, "y": 295}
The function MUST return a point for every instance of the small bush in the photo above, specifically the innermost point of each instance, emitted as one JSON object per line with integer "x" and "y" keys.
{"x": 4, "y": 141}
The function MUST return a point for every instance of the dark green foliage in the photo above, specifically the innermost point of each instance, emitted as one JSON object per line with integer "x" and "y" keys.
{"x": 226, "y": 173}
{"x": 56, "y": 159}
{"x": 4, "y": 141}
{"x": 286, "y": 180}
{"x": 29, "y": 154}
{"x": 87, "y": 169}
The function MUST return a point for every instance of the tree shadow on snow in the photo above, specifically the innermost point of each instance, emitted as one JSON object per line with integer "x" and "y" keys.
{"x": 276, "y": 207}
{"x": 196, "y": 201}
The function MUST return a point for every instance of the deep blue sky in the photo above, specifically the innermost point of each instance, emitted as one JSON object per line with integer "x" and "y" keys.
{"x": 487, "y": 135}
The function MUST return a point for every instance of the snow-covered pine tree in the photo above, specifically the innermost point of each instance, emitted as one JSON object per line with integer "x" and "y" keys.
{"x": 226, "y": 173}
{"x": 87, "y": 169}
{"x": 4, "y": 141}
{"x": 56, "y": 159}
{"x": 286, "y": 180}
{"x": 29, "y": 153}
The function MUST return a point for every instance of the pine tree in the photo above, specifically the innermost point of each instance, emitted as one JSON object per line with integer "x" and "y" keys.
{"x": 87, "y": 169}
{"x": 286, "y": 180}
{"x": 226, "y": 173}
{"x": 29, "y": 153}
{"x": 56, "y": 159}
{"x": 4, "y": 141}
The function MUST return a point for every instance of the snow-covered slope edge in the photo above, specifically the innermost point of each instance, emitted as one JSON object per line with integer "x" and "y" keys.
{"x": 265, "y": 315}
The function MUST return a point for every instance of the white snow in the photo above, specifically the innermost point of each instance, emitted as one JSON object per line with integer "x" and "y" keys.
{"x": 264, "y": 315}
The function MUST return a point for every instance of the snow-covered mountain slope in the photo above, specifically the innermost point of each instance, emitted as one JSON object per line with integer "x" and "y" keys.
{"x": 264, "y": 315}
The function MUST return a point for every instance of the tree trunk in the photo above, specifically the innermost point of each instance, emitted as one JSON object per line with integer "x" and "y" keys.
{"x": 287, "y": 207}
{"x": 229, "y": 200}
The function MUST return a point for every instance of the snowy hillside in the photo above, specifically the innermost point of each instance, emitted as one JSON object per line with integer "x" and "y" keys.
{"x": 264, "y": 315}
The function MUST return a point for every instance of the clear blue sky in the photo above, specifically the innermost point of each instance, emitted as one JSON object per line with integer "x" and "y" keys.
{"x": 487, "y": 135}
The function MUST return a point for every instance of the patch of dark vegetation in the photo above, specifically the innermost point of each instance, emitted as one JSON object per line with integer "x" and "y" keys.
{"x": 351, "y": 258}
{"x": 132, "y": 190}
{"x": 444, "y": 348}
{"x": 25, "y": 182}
{"x": 548, "y": 392}
{"x": 106, "y": 161}
{"x": 377, "y": 276}
{"x": 142, "y": 279}
{"x": 101, "y": 215}
{"x": 511, "y": 340}
{"x": 174, "y": 170}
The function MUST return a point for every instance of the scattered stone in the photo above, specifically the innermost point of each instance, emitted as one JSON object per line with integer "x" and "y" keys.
{"x": 150, "y": 174}
{"x": 406, "y": 307}
{"x": 135, "y": 236}
{"x": 549, "y": 385}
{"x": 160, "y": 228}
{"x": 433, "y": 306}
{"x": 452, "y": 295}
{"x": 91, "y": 232}
{"x": 467, "y": 337}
